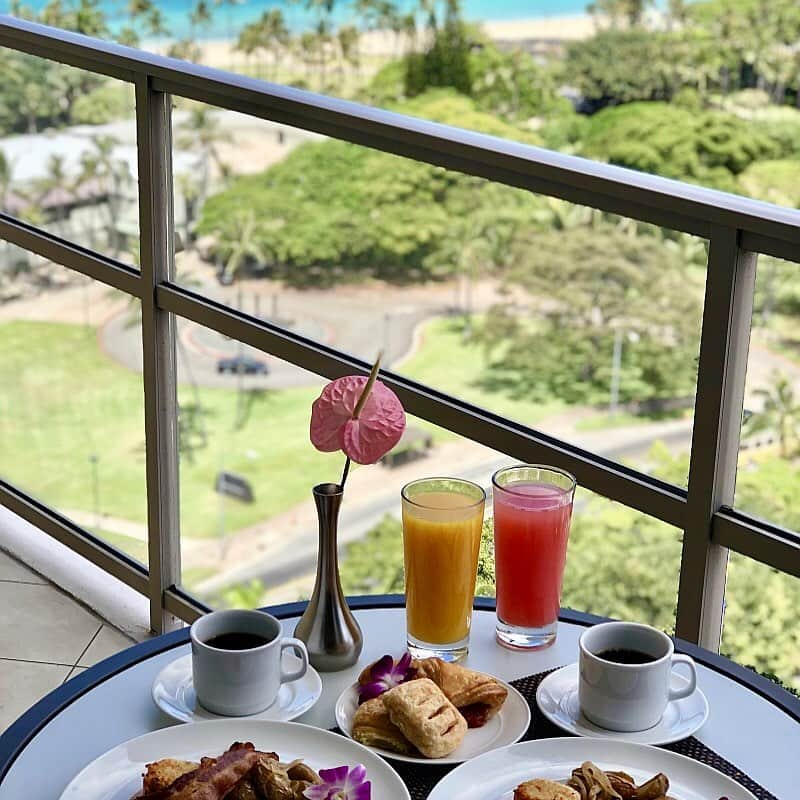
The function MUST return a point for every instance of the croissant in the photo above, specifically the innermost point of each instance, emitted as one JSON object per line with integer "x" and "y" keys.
{"x": 477, "y": 696}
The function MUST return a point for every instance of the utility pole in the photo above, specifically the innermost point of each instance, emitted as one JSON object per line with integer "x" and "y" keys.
{"x": 616, "y": 364}
{"x": 93, "y": 459}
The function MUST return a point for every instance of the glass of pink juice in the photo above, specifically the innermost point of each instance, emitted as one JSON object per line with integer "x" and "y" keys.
{"x": 532, "y": 511}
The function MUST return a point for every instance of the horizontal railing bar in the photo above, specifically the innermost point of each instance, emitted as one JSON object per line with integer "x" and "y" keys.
{"x": 758, "y": 243}
{"x": 106, "y": 556}
{"x": 648, "y": 197}
{"x": 615, "y": 481}
{"x": 183, "y": 605}
{"x": 70, "y": 255}
{"x": 757, "y": 539}
{"x": 451, "y": 157}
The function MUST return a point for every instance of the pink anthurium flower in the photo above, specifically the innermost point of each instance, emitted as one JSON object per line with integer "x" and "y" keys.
{"x": 360, "y": 416}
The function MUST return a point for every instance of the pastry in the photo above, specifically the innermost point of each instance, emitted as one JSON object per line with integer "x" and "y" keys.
{"x": 541, "y": 789}
{"x": 426, "y": 717}
{"x": 476, "y": 695}
{"x": 373, "y": 727}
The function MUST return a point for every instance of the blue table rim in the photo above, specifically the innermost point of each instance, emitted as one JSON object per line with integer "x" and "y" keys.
{"x": 16, "y": 738}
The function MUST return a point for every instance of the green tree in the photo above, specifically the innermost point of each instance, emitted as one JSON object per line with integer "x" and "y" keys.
{"x": 710, "y": 148}
{"x": 622, "y": 66}
{"x": 628, "y": 12}
{"x": 107, "y": 176}
{"x": 200, "y": 17}
{"x": 780, "y": 413}
{"x": 6, "y": 171}
{"x": 203, "y": 133}
{"x": 338, "y": 212}
{"x": 582, "y": 288}
{"x": 245, "y": 595}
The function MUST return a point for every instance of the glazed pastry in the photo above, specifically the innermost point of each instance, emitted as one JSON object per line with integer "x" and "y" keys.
{"x": 476, "y": 695}
{"x": 373, "y": 727}
{"x": 426, "y": 717}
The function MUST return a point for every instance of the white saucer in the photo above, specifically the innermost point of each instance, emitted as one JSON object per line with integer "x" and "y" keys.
{"x": 173, "y": 693}
{"x": 557, "y": 697}
{"x": 509, "y": 725}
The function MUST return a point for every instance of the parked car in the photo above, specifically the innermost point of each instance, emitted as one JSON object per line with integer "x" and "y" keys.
{"x": 242, "y": 365}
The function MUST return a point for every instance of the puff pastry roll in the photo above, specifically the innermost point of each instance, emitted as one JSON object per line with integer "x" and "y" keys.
{"x": 476, "y": 695}
{"x": 426, "y": 717}
{"x": 373, "y": 728}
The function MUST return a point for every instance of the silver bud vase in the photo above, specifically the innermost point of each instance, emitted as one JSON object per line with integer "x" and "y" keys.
{"x": 328, "y": 628}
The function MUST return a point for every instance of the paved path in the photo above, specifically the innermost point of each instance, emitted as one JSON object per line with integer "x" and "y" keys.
{"x": 360, "y": 320}
{"x": 284, "y": 548}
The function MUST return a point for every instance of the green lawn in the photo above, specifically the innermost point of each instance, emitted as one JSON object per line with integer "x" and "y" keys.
{"x": 448, "y": 363}
{"x": 66, "y": 400}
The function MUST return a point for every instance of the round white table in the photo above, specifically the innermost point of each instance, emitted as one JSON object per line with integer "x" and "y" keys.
{"x": 752, "y": 723}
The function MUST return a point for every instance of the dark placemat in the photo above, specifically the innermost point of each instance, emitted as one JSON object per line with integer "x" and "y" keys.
{"x": 421, "y": 779}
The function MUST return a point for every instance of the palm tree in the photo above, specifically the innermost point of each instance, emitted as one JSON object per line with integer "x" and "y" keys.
{"x": 6, "y": 170}
{"x": 781, "y": 413}
{"x": 200, "y": 16}
{"x": 249, "y": 42}
{"x": 54, "y": 181}
{"x": 229, "y": 6}
{"x": 108, "y": 176}
{"x": 348, "y": 38}
{"x": 185, "y": 49}
{"x": 202, "y": 133}
{"x": 273, "y": 35}
{"x": 241, "y": 243}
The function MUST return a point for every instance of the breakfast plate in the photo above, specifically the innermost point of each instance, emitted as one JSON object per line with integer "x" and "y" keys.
{"x": 508, "y": 726}
{"x": 557, "y": 698}
{"x": 173, "y": 692}
{"x": 495, "y": 775}
{"x": 117, "y": 775}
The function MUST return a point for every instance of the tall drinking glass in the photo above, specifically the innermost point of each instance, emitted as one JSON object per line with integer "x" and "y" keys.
{"x": 532, "y": 511}
{"x": 442, "y": 521}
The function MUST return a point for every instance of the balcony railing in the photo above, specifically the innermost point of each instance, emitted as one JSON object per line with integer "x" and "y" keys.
{"x": 737, "y": 228}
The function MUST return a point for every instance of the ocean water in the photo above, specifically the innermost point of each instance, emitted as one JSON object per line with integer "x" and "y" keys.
{"x": 230, "y": 17}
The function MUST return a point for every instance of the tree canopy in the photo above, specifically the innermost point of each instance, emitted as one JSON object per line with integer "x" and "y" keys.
{"x": 586, "y": 286}
{"x": 333, "y": 210}
{"x": 707, "y": 147}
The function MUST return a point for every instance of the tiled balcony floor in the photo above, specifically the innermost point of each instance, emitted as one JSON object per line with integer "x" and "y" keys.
{"x": 46, "y": 637}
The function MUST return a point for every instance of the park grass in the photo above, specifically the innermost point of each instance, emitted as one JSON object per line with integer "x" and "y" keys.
{"x": 65, "y": 400}
{"x": 448, "y": 362}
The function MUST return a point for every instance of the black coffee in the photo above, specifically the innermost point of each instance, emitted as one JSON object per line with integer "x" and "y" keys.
{"x": 625, "y": 656}
{"x": 237, "y": 641}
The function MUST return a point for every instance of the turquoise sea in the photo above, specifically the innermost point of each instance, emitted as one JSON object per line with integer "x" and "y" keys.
{"x": 229, "y": 17}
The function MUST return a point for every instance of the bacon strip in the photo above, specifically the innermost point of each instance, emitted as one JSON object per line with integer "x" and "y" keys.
{"x": 212, "y": 781}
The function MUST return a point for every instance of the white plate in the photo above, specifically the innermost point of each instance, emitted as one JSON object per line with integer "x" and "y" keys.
{"x": 557, "y": 697}
{"x": 494, "y": 776}
{"x": 506, "y": 727}
{"x": 173, "y": 693}
{"x": 117, "y": 775}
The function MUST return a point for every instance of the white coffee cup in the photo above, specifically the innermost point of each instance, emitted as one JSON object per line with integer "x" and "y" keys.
{"x": 234, "y": 683}
{"x": 629, "y": 697}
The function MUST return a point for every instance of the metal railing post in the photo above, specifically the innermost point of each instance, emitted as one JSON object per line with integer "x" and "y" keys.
{"x": 157, "y": 256}
{"x": 722, "y": 369}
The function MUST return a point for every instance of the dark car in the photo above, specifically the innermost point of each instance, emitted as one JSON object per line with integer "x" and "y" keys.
{"x": 242, "y": 365}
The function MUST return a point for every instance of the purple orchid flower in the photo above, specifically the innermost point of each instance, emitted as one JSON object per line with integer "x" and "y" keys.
{"x": 385, "y": 675}
{"x": 341, "y": 783}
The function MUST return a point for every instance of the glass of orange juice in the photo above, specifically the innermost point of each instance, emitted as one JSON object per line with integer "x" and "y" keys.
{"x": 442, "y": 522}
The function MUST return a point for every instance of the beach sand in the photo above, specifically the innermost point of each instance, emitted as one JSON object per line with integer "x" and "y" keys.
{"x": 220, "y": 52}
